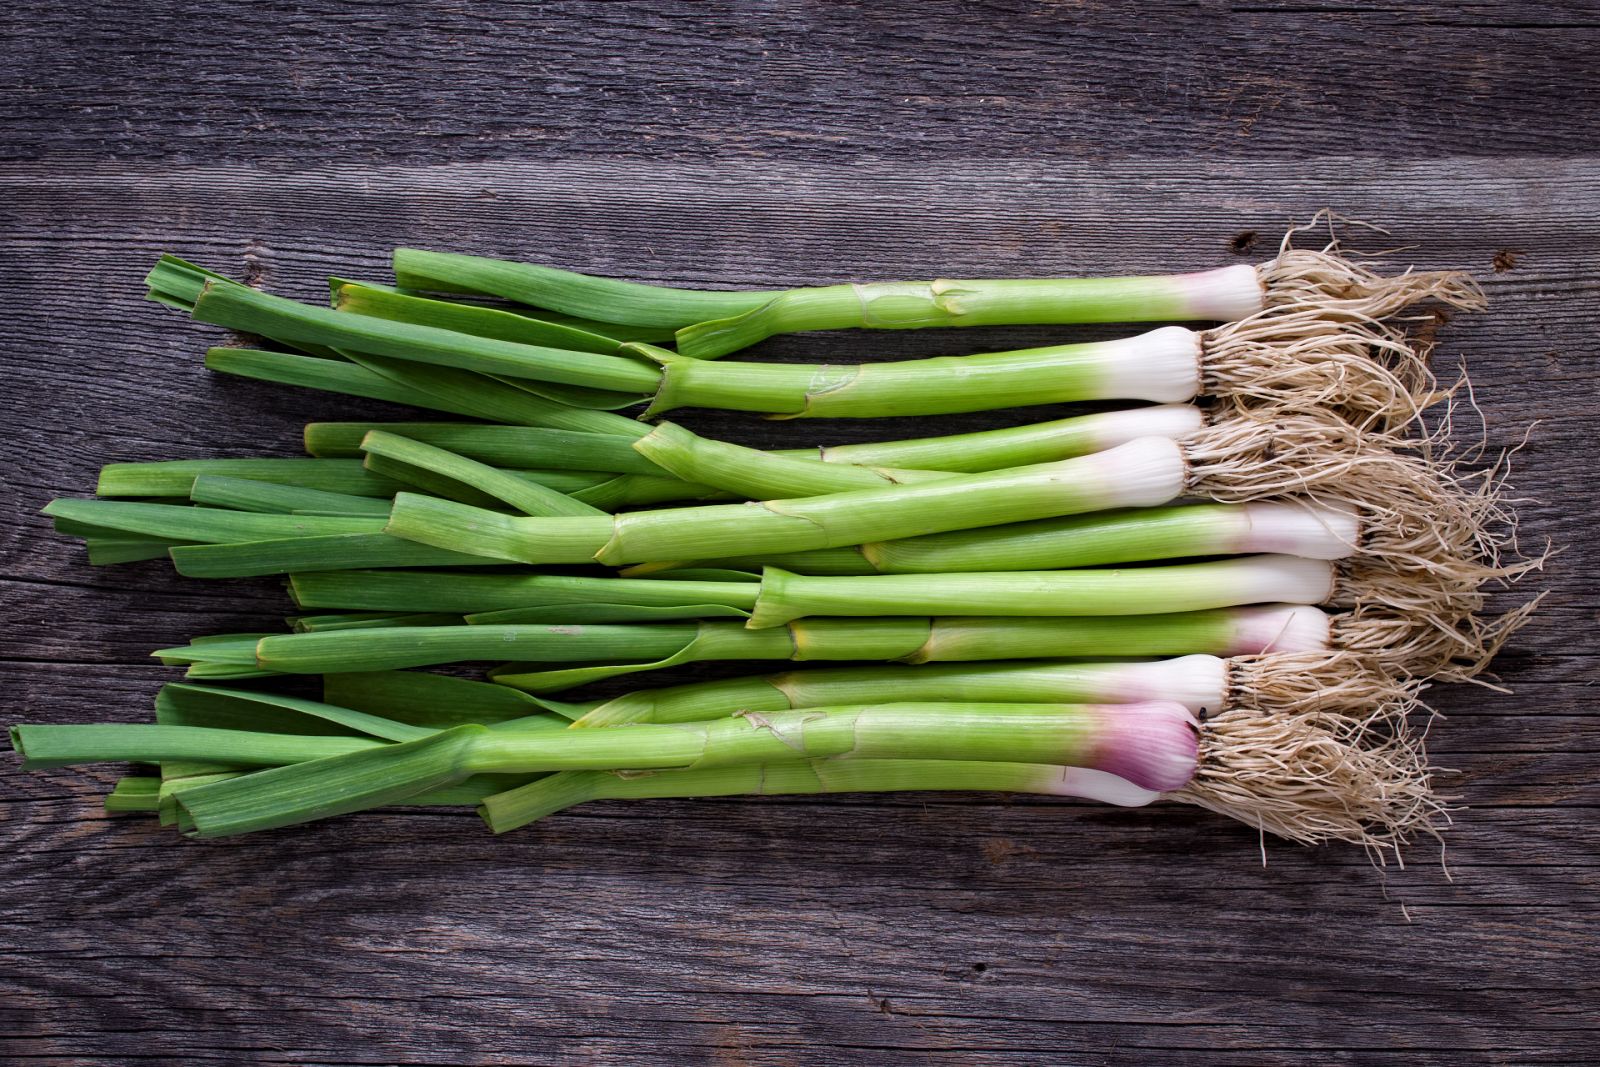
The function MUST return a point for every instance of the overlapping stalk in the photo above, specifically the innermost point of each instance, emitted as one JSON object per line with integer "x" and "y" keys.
{"x": 1299, "y": 358}
{"x": 955, "y": 572}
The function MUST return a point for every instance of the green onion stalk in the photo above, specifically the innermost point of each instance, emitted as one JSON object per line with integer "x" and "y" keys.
{"x": 1290, "y": 527}
{"x": 212, "y": 733}
{"x": 1410, "y": 619}
{"x": 713, "y": 323}
{"x": 601, "y": 489}
{"x": 784, "y": 597}
{"x": 780, "y": 597}
{"x": 614, "y": 638}
{"x": 673, "y": 456}
{"x": 1303, "y": 362}
{"x": 610, "y": 650}
{"x": 1151, "y": 744}
{"x": 1289, "y": 776}
{"x": 1299, "y": 363}
{"x": 1340, "y": 686}
{"x": 518, "y": 597}
{"x": 1408, "y": 504}
{"x": 530, "y": 447}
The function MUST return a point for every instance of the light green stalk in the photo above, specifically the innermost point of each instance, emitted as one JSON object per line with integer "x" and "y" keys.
{"x": 1152, "y": 745}
{"x": 372, "y": 590}
{"x": 610, "y": 330}
{"x": 520, "y": 447}
{"x": 43, "y": 747}
{"x": 1021, "y": 681}
{"x": 602, "y": 299}
{"x": 1141, "y": 473}
{"x": 555, "y": 792}
{"x": 225, "y": 303}
{"x": 213, "y": 525}
{"x": 715, "y": 323}
{"x": 382, "y": 303}
{"x": 245, "y": 494}
{"x": 417, "y": 384}
{"x": 175, "y": 478}
{"x": 1074, "y": 541}
{"x": 334, "y": 552}
{"x": 952, "y": 302}
{"x": 940, "y": 386}
{"x": 528, "y": 497}
{"x": 436, "y": 701}
{"x": 643, "y": 490}
{"x": 104, "y": 551}
{"x": 362, "y": 620}
{"x": 221, "y": 708}
{"x": 1122, "y": 591}
{"x": 327, "y": 375}
{"x": 1018, "y": 446}
{"x": 758, "y": 475}
{"x": 134, "y": 793}
{"x": 628, "y": 649}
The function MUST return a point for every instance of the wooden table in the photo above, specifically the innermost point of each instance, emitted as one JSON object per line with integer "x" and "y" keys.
{"x": 777, "y": 144}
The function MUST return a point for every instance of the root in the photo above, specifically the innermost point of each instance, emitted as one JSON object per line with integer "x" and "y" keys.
{"x": 1340, "y": 690}
{"x": 1294, "y": 777}
{"x": 1302, "y": 362}
{"x": 1332, "y": 285}
{"x": 1433, "y": 646}
{"x": 1437, "y": 592}
{"x": 1317, "y": 455}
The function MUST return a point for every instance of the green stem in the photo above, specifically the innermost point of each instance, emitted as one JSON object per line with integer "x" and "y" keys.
{"x": 383, "y": 303}
{"x": 1142, "y": 473}
{"x": 1073, "y": 541}
{"x": 134, "y": 793}
{"x": 224, "y": 303}
{"x": 105, "y": 551}
{"x": 530, "y": 498}
{"x": 203, "y": 524}
{"x": 435, "y": 701}
{"x": 43, "y": 746}
{"x": 1152, "y": 745}
{"x": 499, "y": 446}
{"x": 327, "y": 375}
{"x": 486, "y": 397}
{"x": 1164, "y": 368}
{"x": 602, "y": 299}
{"x": 175, "y": 478}
{"x": 1224, "y": 294}
{"x": 758, "y": 475}
{"x": 1196, "y": 681}
{"x": 1018, "y": 446}
{"x": 244, "y": 494}
{"x": 473, "y": 593}
{"x": 368, "y": 619}
{"x": 1227, "y": 632}
{"x": 552, "y": 793}
{"x": 333, "y": 552}
{"x": 1126, "y": 591}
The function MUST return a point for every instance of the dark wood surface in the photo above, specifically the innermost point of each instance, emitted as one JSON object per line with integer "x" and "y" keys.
{"x": 769, "y": 144}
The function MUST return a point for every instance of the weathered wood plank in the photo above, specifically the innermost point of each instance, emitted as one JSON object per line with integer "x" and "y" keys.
{"x": 838, "y": 83}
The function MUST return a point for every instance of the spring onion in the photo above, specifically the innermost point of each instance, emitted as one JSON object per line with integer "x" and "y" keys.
{"x": 1303, "y": 360}
{"x": 634, "y": 648}
{"x": 713, "y": 323}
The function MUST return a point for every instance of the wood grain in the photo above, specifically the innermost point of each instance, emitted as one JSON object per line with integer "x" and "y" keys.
{"x": 774, "y": 144}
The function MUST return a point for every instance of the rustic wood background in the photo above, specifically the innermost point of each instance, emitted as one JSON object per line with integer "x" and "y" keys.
{"x": 771, "y": 144}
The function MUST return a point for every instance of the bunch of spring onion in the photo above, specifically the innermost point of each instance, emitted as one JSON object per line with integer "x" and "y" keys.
{"x": 971, "y": 574}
